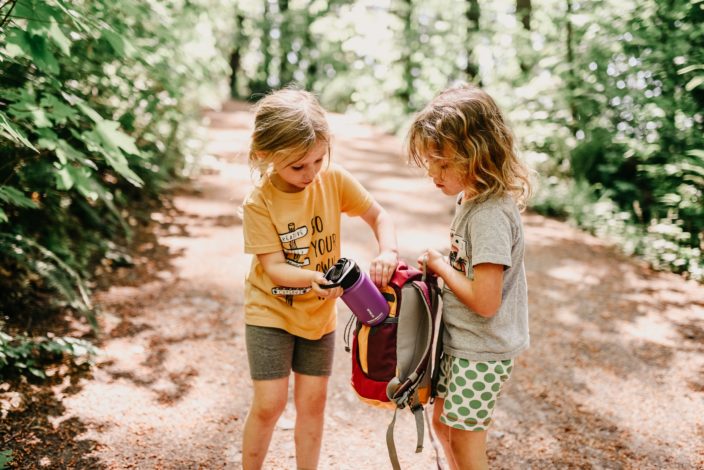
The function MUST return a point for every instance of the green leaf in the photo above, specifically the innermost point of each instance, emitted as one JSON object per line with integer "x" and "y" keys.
{"x": 14, "y": 197}
{"x": 64, "y": 180}
{"x": 88, "y": 111}
{"x": 116, "y": 41}
{"x": 58, "y": 37}
{"x": 37, "y": 372}
{"x": 73, "y": 14}
{"x": 65, "y": 153}
{"x": 9, "y": 131}
{"x": 23, "y": 8}
{"x": 108, "y": 131}
{"x": 69, "y": 176}
{"x": 18, "y": 44}
{"x": 47, "y": 139}
{"x": 694, "y": 83}
{"x": 696, "y": 153}
{"x": 119, "y": 163}
{"x": 27, "y": 109}
{"x": 39, "y": 117}
{"x": 95, "y": 141}
{"x": 5, "y": 458}
{"x": 690, "y": 68}
{"x": 42, "y": 55}
{"x": 38, "y": 11}
{"x": 60, "y": 112}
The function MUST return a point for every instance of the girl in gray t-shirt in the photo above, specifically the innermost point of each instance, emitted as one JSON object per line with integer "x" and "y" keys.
{"x": 462, "y": 138}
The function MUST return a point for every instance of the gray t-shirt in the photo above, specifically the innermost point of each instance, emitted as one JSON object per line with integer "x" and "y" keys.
{"x": 487, "y": 232}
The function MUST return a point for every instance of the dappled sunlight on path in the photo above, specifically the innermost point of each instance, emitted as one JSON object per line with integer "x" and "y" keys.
{"x": 614, "y": 377}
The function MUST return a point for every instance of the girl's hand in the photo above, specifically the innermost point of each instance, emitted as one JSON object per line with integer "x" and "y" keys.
{"x": 331, "y": 293}
{"x": 433, "y": 260}
{"x": 383, "y": 267}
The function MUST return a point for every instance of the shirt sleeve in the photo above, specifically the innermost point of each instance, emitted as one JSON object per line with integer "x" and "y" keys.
{"x": 260, "y": 234}
{"x": 354, "y": 198}
{"x": 490, "y": 235}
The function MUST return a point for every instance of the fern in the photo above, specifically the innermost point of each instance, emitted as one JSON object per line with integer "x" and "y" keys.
{"x": 23, "y": 353}
{"x": 5, "y": 458}
{"x": 65, "y": 281}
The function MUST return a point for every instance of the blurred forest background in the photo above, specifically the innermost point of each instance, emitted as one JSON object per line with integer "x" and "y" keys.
{"x": 101, "y": 101}
{"x": 606, "y": 96}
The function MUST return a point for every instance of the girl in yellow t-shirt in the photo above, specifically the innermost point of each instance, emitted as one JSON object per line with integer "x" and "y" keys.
{"x": 292, "y": 227}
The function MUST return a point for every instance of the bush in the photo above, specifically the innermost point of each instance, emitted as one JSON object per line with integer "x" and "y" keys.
{"x": 100, "y": 102}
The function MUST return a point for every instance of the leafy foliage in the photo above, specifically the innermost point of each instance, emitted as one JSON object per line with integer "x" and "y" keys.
{"x": 608, "y": 96}
{"x": 5, "y": 458}
{"x": 99, "y": 105}
{"x": 21, "y": 353}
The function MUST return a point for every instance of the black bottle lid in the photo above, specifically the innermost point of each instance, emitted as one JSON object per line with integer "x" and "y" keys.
{"x": 344, "y": 273}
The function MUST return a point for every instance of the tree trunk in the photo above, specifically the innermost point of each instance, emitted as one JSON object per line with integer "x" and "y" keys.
{"x": 286, "y": 68}
{"x": 405, "y": 94}
{"x": 571, "y": 79}
{"x": 260, "y": 84}
{"x": 523, "y": 12}
{"x": 308, "y": 46}
{"x": 236, "y": 56}
{"x": 472, "y": 14}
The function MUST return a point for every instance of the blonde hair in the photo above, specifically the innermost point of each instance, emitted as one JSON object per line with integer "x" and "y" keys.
{"x": 464, "y": 125}
{"x": 287, "y": 124}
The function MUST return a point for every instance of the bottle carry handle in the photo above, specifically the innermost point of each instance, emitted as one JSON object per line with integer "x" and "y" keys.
{"x": 338, "y": 283}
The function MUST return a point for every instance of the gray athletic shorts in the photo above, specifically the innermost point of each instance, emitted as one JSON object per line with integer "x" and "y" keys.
{"x": 273, "y": 353}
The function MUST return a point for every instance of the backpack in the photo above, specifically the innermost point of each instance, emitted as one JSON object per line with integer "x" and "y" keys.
{"x": 393, "y": 363}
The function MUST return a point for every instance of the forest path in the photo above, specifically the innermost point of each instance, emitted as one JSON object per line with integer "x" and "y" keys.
{"x": 614, "y": 377}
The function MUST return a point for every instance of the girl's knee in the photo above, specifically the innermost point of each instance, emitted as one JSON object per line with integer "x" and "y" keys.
{"x": 468, "y": 445}
{"x": 310, "y": 394}
{"x": 268, "y": 410}
{"x": 311, "y": 405}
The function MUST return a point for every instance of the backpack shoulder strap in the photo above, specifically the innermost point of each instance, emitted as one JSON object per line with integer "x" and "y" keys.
{"x": 417, "y": 410}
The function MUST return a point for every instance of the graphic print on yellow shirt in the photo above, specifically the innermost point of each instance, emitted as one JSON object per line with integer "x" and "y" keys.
{"x": 293, "y": 252}
{"x": 296, "y": 256}
{"x": 305, "y": 226}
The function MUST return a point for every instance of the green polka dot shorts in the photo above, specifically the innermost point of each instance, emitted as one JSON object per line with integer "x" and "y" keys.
{"x": 470, "y": 390}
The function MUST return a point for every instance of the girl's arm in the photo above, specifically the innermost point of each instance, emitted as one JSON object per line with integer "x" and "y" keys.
{"x": 384, "y": 265}
{"x": 283, "y": 274}
{"x": 482, "y": 294}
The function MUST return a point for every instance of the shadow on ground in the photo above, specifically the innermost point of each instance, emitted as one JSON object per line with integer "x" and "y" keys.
{"x": 36, "y": 426}
{"x": 613, "y": 378}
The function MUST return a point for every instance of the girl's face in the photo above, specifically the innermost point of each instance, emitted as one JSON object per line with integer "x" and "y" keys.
{"x": 445, "y": 176}
{"x": 296, "y": 176}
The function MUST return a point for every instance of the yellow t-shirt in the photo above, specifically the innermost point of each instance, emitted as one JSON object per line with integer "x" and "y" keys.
{"x": 306, "y": 226}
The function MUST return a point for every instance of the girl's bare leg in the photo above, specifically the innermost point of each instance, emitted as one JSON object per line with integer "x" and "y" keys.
{"x": 442, "y": 431}
{"x": 269, "y": 401}
{"x": 310, "y": 394}
{"x": 469, "y": 449}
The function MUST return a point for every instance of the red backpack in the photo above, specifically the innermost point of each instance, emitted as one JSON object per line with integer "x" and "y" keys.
{"x": 393, "y": 363}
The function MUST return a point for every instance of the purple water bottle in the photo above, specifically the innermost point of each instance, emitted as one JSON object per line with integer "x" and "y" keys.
{"x": 360, "y": 293}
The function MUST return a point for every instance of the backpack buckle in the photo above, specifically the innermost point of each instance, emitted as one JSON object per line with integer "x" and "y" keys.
{"x": 402, "y": 401}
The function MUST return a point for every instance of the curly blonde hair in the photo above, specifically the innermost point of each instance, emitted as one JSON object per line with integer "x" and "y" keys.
{"x": 464, "y": 125}
{"x": 287, "y": 124}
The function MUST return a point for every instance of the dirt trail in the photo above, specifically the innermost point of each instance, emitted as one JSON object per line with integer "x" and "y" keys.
{"x": 614, "y": 378}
